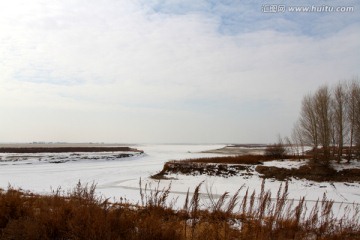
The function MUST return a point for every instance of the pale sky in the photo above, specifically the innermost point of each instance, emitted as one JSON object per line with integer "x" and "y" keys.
{"x": 156, "y": 71}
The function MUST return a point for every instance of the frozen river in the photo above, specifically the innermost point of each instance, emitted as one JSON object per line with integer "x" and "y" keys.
{"x": 114, "y": 178}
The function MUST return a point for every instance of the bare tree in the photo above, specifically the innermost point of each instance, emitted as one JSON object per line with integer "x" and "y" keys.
{"x": 353, "y": 114}
{"x": 277, "y": 150}
{"x": 339, "y": 122}
{"x": 298, "y": 140}
{"x": 290, "y": 146}
{"x": 308, "y": 123}
{"x": 357, "y": 120}
{"x": 330, "y": 118}
{"x": 323, "y": 116}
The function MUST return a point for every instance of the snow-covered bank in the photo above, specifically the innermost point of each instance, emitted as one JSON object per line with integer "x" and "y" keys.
{"x": 41, "y": 158}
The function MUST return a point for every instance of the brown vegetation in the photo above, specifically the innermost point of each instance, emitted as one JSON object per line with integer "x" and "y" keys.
{"x": 241, "y": 166}
{"x": 244, "y": 159}
{"x": 216, "y": 166}
{"x": 312, "y": 172}
{"x": 80, "y": 214}
{"x": 66, "y": 149}
{"x": 196, "y": 168}
{"x": 226, "y": 166}
{"x": 276, "y": 150}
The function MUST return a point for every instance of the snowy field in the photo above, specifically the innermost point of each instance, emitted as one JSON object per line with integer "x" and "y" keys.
{"x": 119, "y": 177}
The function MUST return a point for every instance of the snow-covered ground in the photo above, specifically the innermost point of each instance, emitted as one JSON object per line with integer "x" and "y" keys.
{"x": 119, "y": 177}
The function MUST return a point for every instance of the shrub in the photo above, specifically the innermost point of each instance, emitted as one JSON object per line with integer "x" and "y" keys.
{"x": 276, "y": 150}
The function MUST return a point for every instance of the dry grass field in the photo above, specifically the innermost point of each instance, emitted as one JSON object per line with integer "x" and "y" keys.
{"x": 80, "y": 214}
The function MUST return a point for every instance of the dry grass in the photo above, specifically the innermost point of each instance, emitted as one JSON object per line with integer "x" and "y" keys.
{"x": 242, "y": 159}
{"x": 80, "y": 214}
{"x": 228, "y": 166}
{"x": 312, "y": 172}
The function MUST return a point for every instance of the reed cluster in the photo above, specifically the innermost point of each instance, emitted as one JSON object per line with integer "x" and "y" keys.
{"x": 81, "y": 214}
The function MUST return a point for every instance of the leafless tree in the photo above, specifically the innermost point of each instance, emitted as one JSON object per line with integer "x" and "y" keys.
{"x": 339, "y": 123}
{"x": 322, "y": 100}
{"x": 357, "y": 120}
{"x": 298, "y": 140}
{"x": 277, "y": 149}
{"x": 308, "y": 123}
{"x": 290, "y": 146}
{"x": 330, "y": 121}
{"x": 353, "y": 114}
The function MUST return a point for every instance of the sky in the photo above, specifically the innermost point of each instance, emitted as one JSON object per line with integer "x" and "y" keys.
{"x": 156, "y": 71}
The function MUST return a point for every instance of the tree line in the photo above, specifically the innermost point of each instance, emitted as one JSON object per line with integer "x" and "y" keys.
{"x": 329, "y": 122}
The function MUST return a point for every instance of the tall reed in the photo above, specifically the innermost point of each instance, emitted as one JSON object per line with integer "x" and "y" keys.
{"x": 81, "y": 214}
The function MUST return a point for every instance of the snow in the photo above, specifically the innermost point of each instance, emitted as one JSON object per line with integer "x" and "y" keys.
{"x": 345, "y": 165}
{"x": 119, "y": 177}
{"x": 286, "y": 163}
{"x": 35, "y": 172}
{"x": 42, "y": 158}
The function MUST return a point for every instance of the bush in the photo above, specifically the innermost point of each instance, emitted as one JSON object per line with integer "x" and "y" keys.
{"x": 276, "y": 150}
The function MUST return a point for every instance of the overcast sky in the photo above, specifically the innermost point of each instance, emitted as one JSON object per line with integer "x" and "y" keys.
{"x": 156, "y": 71}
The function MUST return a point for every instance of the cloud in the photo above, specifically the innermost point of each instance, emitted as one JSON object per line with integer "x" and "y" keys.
{"x": 147, "y": 70}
